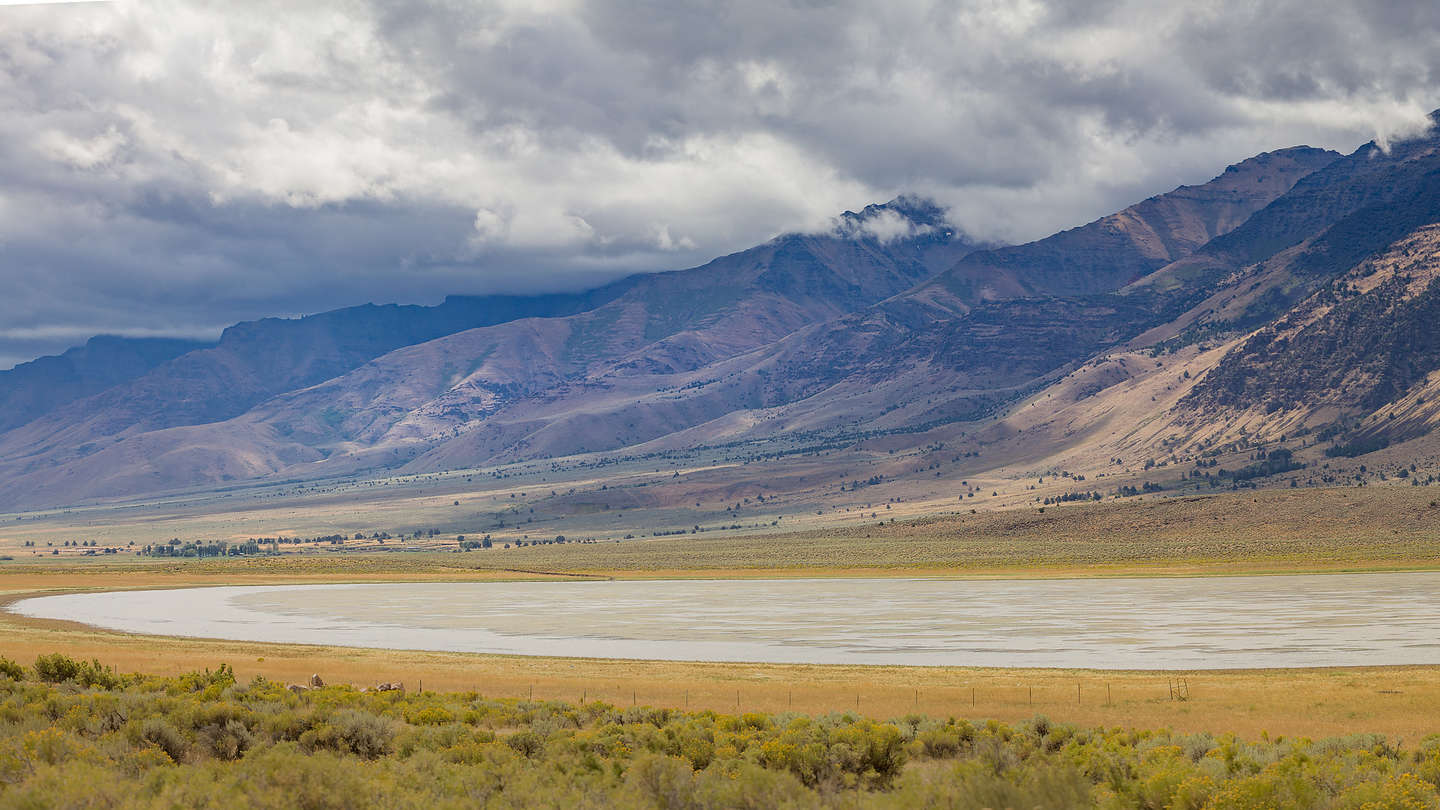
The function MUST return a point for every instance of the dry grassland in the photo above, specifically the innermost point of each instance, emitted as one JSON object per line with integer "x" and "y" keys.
{"x": 1275, "y": 530}
{"x": 1369, "y": 528}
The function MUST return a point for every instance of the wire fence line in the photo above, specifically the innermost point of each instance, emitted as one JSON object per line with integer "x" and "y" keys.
{"x": 810, "y": 699}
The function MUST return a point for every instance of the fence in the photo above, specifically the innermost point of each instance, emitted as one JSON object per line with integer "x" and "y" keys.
{"x": 972, "y": 699}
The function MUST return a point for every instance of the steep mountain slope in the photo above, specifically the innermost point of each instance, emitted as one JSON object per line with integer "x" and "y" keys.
{"x": 1115, "y": 250}
{"x": 668, "y": 324}
{"x": 33, "y": 389}
{"x": 1313, "y": 319}
{"x": 933, "y": 356}
{"x": 1364, "y": 341}
{"x": 951, "y": 351}
{"x": 1001, "y": 321}
{"x": 257, "y": 360}
{"x": 652, "y": 325}
{"x": 1331, "y": 220}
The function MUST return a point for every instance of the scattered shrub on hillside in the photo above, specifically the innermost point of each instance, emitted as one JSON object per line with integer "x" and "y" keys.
{"x": 1357, "y": 447}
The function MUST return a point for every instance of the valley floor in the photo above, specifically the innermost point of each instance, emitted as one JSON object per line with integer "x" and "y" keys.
{"x": 1363, "y": 529}
{"x": 1276, "y": 530}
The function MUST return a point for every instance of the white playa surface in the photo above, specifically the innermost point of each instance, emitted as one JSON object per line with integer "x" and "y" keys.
{"x": 1207, "y": 623}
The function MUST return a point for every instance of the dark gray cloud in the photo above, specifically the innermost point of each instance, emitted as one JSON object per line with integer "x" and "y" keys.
{"x": 171, "y": 167}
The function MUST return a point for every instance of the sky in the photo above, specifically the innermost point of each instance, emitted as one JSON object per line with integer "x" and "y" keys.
{"x": 169, "y": 168}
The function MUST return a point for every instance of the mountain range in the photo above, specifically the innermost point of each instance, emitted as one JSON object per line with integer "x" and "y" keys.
{"x": 1289, "y": 304}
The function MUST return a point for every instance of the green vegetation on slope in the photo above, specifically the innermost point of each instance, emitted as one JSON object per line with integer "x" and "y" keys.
{"x": 75, "y": 734}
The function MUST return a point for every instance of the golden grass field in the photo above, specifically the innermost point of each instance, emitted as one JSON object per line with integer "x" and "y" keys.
{"x": 1275, "y": 531}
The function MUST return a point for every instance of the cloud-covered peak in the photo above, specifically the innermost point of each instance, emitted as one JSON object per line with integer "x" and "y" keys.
{"x": 905, "y": 217}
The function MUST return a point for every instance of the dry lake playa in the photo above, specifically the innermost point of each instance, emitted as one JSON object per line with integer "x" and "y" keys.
{"x": 1243, "y": 622}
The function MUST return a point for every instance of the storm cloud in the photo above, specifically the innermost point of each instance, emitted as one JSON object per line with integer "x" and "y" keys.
{"x": 167, "y": 168}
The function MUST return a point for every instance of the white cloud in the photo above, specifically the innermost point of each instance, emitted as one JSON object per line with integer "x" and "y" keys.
{"x": 82, "y": 153}
{"x": 228, "y": 160}
{"x": 884, "y": 225}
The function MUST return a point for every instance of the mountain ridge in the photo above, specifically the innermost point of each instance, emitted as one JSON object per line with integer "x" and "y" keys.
{"x": 36, "y": 387}
{"x": 890, "y": 329}
{"x": 665, "y": 322}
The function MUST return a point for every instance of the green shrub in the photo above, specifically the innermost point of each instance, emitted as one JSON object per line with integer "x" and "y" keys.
{"x": 940, "y": 743}
{"x": 157, "y": 732}
{"x": 213, "y": 682}
{"x": 11, "y": 670}
{"x": 57, "y": 668}
{"x": 526, "y": 743}
{"x": 663, "y": 782}
{"x": 747, "y": 786}
{"x": 226, "y": 741}
{"x": 431, "y": 716}
{"x": 353, "y": 732}
{"x": 50, "y": 746}
{"x": 973, "y": 786}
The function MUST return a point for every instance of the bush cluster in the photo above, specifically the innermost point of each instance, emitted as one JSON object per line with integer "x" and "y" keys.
{"x": 75, "y": 734}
